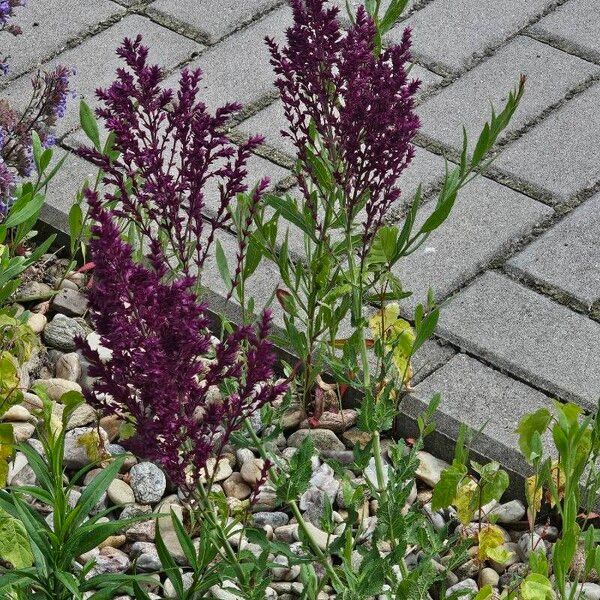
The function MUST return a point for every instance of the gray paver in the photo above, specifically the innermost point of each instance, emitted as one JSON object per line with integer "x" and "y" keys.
{"x": 46, "y": 30}
{"x": 486, "y": 218}
{"x": 211, "y": 18}
{"x": 530, "y": 335}
{"x": 480, "y": 397}
{"x": 550, "y": 75}
{"x": 63, "y": 189}
{"x": 257, "y": 168}
{"x": 451, "y": 32}
{"x": 238, "y": 68}
{"x": 561, "y": 155}
{"x": 575, "y": 24}
{"x": 95, "y": 61}
{"x": 567, "y": 257}
{"x": 426, "y": 169}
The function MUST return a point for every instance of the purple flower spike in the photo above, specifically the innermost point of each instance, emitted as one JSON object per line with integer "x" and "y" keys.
{"x": 360, "y": 104}
{"x": 171, "y": 150}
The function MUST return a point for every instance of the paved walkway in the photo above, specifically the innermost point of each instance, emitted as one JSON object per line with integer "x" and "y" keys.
{"x": 519, "y": 259}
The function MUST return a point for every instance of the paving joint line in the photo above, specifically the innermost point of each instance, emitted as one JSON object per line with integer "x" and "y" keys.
{"x": 181, "y": 27}
{"x": 74, "y": 42}
{"x": 452, "y": 75}
{"x": 564, "y": 45}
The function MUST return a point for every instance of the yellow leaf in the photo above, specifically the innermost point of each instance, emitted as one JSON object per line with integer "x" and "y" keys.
{"x": 90, "y": 441}
{"x": 490, "y": 540}
{"x": 398, "y": 334}
{"x": 462, "y": 502}
{"x": 6, "y": 450}
{"x": 533, "y": 493}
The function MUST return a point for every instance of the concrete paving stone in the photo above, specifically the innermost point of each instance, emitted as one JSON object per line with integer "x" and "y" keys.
{"x": 95, "y": 62}
{"x": 261, "y": 286}
{"x": 575, "y": 24}
{"x": 238, "y": 68}
{"x": 567, "y": 257}
{"x": 483, "y": 399}
{"x": 63, "y": 189}
{"x": 550, "y": 75}
{"x": 257, "y": 168}
{"x": 516, "y": 329}
{"x": 426, "y": 169}
{"x": 46, "y": 30}
{"x": 486, "y": 219}
{"x": 451, "y": 33}
{"x": 430, "y": 357}
{"x": 561, "y": 155}
{"x": 211, "y": 18}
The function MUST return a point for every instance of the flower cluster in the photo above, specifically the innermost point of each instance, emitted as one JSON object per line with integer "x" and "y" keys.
{"x": 359, "y": 103}
{"x": 46, "y": 105}
{"x": 163, "y": 371}
{"x": 7, "y": 8}
{"x": 172, "y": 150}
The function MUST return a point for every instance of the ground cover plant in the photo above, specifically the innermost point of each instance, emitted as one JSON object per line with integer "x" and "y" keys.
{"x": 152, "y": 457}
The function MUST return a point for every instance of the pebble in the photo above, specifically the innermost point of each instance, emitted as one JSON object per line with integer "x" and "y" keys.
{"x": 56, "y": 387}
{"x": 252, "y": 471}
{"x": 21, "y": 431}
{"x": 33, "y": 291}
{"x": 70, "y": 302}
{"x": 323, "y": 439}
{"x": 17, "y": 413}
{"x": 273, "y": 519}
{"x": 32, "y": 401}
{"x": 588, "y": 591}
{"x": 430, "y": 468}
{"x": 187, "y": 579}
{"x": 488, "y": 576}
{"x": 320, "y": 537}
{"x": 216, "y": 472}
{"x": 167, "y": 530}
{"x": 68, "y": 367}
{"x": 110, "y": 560}
{"x": 145, "y": 556}
{"x": 334, "y": 421}
{"x": 61, "y": 332}
{"x": 235, "y": 486}
{"x": 530, "y": 542}
{"x": 468, "y": 585}
{"x": 507, "y": 513}
{"x": 37, "y": 322}
{"x": 82, "y": 415}
{"x": 120, "y": 493}
{"x": 148, "y": 482}
{"x": 75, "y": 453}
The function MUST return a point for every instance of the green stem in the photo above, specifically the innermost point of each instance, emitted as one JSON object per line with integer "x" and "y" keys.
{"x": 294, "y": 506}
{"x": 213, "y": 518}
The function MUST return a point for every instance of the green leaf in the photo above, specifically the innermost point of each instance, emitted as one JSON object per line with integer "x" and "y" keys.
{"x": 531, "y": 424}
{"x": 445, "y": 490}
{"x": 169, "y": 565}
{"x": 89, "y": 124}
{"x": 31, "y": 208}
{"x": 536, "y": 587}
{"x": 14, "y": 542}
{"x": 222, "y": 265}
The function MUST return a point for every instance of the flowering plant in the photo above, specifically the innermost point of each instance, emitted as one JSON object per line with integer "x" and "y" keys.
{"x": 184, "y": 397}
{"x": 168, "y": 151}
